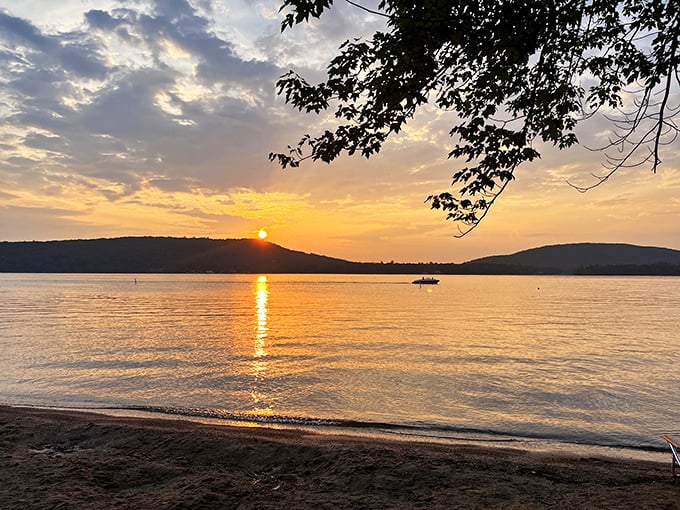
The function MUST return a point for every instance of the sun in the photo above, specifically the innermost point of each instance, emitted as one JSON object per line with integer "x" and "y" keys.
{"x": 262, "y": 234}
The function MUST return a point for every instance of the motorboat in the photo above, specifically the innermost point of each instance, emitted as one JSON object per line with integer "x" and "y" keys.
{"x": 426, "y": 280}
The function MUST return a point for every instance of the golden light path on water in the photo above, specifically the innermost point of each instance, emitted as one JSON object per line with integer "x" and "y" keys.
{"x": 259, "y": 364}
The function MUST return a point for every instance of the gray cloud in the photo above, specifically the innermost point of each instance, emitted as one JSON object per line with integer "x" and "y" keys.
{"x": 103, "y": 20}
{"x": 201, "y": 118}
{"x": 173, "y": 184}
{"x": 74, "y": 53}
{"x": 113, "y": 126}
{"x": 47, "y": 143}
{"x": 178, "y": 22}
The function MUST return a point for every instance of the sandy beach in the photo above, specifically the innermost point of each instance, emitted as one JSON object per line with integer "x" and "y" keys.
{"x": 63, "y": 459}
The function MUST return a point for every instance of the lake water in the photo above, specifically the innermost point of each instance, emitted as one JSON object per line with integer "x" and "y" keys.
{"x": 576, "y": 360}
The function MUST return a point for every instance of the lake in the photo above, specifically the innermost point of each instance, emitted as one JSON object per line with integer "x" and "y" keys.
{"x": 567, "y": 359}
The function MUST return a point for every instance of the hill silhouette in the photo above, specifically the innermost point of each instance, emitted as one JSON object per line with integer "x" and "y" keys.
{"x": 588, "y": 258}
{"x": 180, "y": 255}
{"x": 160, "y": 255}
{"x": 201, "y": 255}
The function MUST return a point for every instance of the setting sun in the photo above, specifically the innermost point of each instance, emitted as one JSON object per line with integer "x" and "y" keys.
{"x": 262, "y": 234}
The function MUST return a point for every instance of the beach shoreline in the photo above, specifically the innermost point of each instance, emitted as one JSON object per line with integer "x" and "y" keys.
{"x": 389, "y": 432}
{"x": 77, "y": 459}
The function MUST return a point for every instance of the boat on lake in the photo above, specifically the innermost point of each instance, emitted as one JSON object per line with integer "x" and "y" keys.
{"x": 426, "y": 280}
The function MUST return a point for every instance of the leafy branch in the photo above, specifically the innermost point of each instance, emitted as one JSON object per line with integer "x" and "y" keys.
{"x": 510, "y": 70}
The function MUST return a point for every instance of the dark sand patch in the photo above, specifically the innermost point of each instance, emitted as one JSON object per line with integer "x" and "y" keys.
{"x": 63, "y": 460}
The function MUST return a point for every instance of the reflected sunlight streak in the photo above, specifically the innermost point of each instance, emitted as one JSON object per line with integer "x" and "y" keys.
{"x": 259, "y": 354}
{"x": 261, "y": 297}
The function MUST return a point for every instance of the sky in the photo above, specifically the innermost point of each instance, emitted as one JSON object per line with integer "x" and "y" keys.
{"x": 156, "y": 118}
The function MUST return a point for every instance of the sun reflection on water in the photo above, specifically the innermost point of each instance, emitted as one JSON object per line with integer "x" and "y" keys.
{"x": 261, "y": 297}
{"x": 259, "y": 364}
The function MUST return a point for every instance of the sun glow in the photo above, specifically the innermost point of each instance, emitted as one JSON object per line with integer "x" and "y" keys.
{"x": 262, "y": 234}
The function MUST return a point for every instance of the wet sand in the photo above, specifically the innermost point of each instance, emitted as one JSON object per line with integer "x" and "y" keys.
{"x": 63, "y": 460}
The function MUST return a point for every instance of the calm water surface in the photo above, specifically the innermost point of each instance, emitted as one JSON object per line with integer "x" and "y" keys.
{"x": 589, "y": 360}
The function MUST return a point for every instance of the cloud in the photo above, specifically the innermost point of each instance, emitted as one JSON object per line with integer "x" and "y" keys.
{"x": 166, "y": 98}
{"x": 117, "y": 99}
{"x": 74, "y": 52}
{"x": 175, "y": 26}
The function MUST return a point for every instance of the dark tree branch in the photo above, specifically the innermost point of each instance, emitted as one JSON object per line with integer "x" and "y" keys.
{"x": 512, "y": 73}
{"x": 371, "y": 11}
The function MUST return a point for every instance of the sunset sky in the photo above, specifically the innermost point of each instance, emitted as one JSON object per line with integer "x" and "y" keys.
{"x": 155, "y": 118}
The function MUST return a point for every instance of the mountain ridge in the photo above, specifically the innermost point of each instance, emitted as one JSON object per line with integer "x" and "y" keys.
{"x": 148, "y": 254}
{"x": 572, "y": 256}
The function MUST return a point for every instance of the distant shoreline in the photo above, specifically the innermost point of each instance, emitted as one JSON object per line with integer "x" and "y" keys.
{"x": 166, "y": 255}
{"x": 640, "y": 273}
